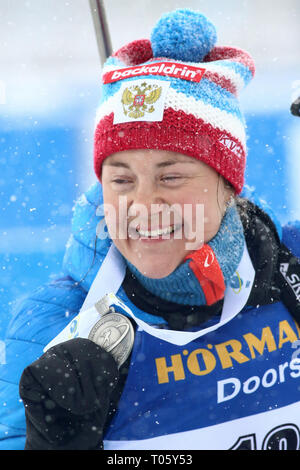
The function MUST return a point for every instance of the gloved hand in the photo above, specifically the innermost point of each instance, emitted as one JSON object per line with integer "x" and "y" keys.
{"x": 66, "y": 394}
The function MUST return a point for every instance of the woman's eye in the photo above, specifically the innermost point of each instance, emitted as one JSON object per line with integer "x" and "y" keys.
{"x": 121, "y": 181}
{"x": 172, "y": 178}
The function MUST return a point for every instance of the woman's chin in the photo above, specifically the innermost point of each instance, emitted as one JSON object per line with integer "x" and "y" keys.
{"x": 154, "y": 270}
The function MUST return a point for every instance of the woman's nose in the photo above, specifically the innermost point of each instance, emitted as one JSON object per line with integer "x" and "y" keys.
{"x": 146, "y": 201}
{"x": 146, "y": 193}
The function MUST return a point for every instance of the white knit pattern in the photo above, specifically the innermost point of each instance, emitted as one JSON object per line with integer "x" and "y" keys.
{"x": 227, "y": 73}
{"x": 178, "y": 101}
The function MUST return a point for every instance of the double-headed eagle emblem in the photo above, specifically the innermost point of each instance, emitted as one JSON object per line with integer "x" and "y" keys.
{"x": 138, "y": 100}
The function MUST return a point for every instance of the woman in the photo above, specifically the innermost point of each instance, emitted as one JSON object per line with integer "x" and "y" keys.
{"x": 193, "y": 345}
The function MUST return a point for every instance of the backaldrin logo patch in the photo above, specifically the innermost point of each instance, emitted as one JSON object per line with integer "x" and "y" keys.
{"x": 169, "y": 69}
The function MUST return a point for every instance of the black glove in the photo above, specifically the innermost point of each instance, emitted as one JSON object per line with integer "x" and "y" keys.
{"x": 66, "y": 394}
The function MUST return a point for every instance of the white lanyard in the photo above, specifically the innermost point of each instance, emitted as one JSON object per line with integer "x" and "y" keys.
{"x": 109, "y": 280}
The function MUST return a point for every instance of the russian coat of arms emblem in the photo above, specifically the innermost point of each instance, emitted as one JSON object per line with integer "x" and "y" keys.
{"x": 138, "y": 100}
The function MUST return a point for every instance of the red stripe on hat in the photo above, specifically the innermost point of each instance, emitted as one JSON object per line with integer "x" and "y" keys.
{"x": 206, "y": 268}
{"x": 232, "y": 54}
{"x": 221, "y": 81}
{"x": 178, "y": 132}
{"x": 136, "y": 52}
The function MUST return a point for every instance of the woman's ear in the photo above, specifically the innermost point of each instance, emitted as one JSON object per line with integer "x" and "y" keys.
{"x": 228, "y": 194}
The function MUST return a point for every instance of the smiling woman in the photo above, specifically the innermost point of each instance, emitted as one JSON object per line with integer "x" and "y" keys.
{"x": 187, "y": 296}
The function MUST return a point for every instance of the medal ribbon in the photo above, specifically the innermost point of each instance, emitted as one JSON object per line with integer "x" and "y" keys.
{"x": 206, "y": 268}
{"x": 109, "y": 280}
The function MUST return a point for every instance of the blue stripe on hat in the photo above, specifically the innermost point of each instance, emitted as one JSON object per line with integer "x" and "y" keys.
{"x": 238, "y": 67}
{"x": 208, "y": 92}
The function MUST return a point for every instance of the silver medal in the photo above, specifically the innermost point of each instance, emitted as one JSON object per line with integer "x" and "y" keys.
{"x": 114, "y": 333}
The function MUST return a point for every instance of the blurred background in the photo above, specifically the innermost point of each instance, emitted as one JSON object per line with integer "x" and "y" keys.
{"x": 49, "y": 91}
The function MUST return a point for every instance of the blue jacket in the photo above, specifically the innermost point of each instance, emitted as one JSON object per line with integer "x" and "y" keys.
{"x": 43, "y": 314}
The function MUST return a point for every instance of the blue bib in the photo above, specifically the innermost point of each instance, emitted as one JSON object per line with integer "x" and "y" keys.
{"x": 235, "y": 387}
{"x": 233, "y": 384}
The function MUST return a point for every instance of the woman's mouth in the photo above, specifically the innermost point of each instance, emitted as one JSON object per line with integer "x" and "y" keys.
{"x": 163, "y": 233}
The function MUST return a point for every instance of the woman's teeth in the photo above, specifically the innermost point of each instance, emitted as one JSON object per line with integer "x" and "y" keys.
{"x": 156, "y": 233}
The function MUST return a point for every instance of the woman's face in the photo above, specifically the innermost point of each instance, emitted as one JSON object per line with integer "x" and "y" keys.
{"x": 159, "y": 206}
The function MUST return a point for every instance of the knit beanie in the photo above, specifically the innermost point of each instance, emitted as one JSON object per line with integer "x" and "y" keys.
{"x": 176, "y": 92}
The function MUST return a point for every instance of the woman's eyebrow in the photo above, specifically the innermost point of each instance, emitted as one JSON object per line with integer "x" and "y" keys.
{"x": 117, "y": 164}
{"x": 158, "y": 165}
{"x": 173, "y": 162}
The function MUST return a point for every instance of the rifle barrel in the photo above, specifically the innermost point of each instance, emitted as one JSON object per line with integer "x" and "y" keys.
{"x": 101, "y": 29}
